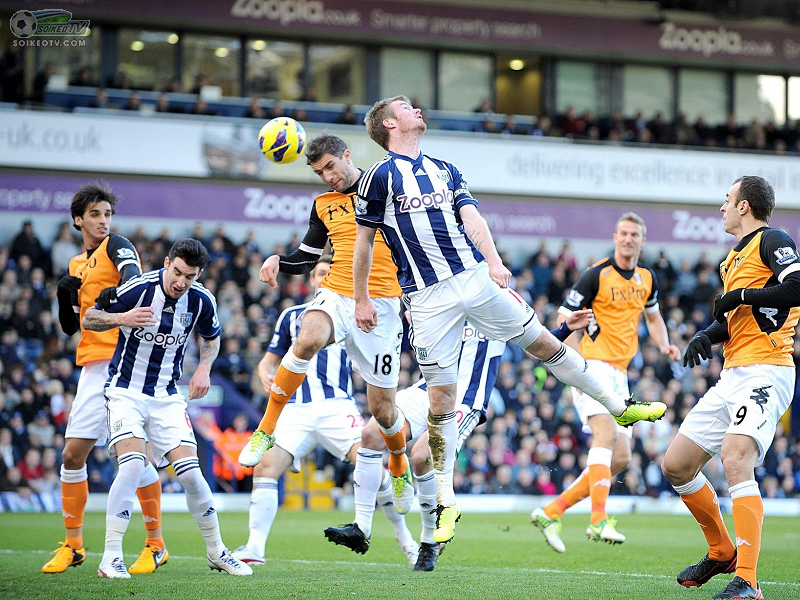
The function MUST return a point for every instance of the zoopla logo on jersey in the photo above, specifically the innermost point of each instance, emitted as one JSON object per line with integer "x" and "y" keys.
{"x": 164, "y": 340}
{"x": 435, "y": 200}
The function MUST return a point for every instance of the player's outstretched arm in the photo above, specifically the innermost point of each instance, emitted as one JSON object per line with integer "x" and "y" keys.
{"x": 658, "y": 331}
{"x": 98, "y": 320}
{"x": 366, "y": 315}
{"x": 477, "y": 231}
{"x": 200, "y": 382}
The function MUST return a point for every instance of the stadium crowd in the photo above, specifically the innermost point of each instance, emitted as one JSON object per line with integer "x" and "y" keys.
{"x": 637, "y": 128}
{"x": 531, "y": 444}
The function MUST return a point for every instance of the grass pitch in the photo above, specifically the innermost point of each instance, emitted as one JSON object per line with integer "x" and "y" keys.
{"x": 493, "y": 556}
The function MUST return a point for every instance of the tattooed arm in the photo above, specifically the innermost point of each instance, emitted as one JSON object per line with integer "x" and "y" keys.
{"x": 478, "y": 232}
{"x": 201, "y": 380}
{"x": 99, "y": 320}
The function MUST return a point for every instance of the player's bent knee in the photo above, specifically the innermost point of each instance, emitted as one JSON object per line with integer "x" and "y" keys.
{"x": 371, "y": 437}
{"x": 420, "y": 459}
{"x": 532, "y": 334}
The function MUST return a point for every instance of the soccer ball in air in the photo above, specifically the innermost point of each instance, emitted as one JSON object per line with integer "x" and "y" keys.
{"x": 23, "y": 24}
{"x": 282, "y": 140}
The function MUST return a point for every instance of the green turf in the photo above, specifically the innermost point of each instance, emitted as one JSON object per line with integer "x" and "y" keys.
{"x": 493, "y": 556}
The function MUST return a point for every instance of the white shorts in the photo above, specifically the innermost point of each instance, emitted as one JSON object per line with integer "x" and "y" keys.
{"x": 333, "y": 424}
{"x": 87, "y": 418}
{"x": 586, "y": 406}
{"x": 415, "y": 404}
{"x": 375, "y": 355}
{"x": 745, "y": 401}
{"x": 163, "y": 422}
{"x": 438, "y": 313}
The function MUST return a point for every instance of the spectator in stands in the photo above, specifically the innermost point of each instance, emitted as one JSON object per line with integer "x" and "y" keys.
{"x": 30, "y": 467}
{"x": 484, "y": 107}
{"x": 308, "y": 95}
{"x": 543, "y": 127}
{"x": 348, "y": 116}
{"x": 510, "y": 127}
{"x": 40, "y": 83}
{"x": 276, "y": 110}
{"x": 200, "y": 81}
{"x": 659, "y": 128}
{"x": 9, "y": 453}
{"x": 174, "y": 85}
{"x": 300, "y": 113}
{"x": 83, "y": 78}
{"x": 570, "y": 123}
{"x": 254, "y": 110}
{"x": 101, "y": 99}
{"x": 163, "y": 105}
{"x": 232, "y": 365}
{"x": 704, "y": 132}
{"x": 122, "y": 81}
{"x": 12, "y": 74}
{"x": 27, "y": 243}
{"x": 200, "y": 107}
{"x": 13, "y": 481}
{"x": 100, "y": 470}
{"x": 487, "y": 125}
{"x": 134, "y": 102}
{"x": 42, "y": 427}
{"x": 63, "y": 249}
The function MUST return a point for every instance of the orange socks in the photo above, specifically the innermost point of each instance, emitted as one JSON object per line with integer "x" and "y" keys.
{"x": 73, "y": 503}
{"x": 569, "y": 497}
{"x": 396, "y": 443}
{"x": 283, "y": 387}
{"x": 150, "y": 500}
{"x": 748, "y": 518}
{"x": 700, "y": 498}
{"x": 598, "y": 463}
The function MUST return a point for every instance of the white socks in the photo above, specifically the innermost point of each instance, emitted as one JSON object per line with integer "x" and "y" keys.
{"x": 599, "y": 456}
{"x": 120, "y": 502}
{"x": 263, "y": 509}
{"x": 426, "y": 496}
{"x": 292, "y": 363}
{"x": 200, "y": 502}
{"x": 443, "y": 441}
{"x": 366, "y": 482}
{"x": 76, "y": 476}
{"x": 571, "y": 368}
{"x": 397, "y": 520}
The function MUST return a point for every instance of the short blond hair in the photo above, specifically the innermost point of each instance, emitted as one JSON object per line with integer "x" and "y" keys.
{"x": 633, "y": 218}
{"x": 375, "y": 117}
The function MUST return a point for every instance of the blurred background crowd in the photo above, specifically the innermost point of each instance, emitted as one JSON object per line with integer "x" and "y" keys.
{"x": 532, "y": 443}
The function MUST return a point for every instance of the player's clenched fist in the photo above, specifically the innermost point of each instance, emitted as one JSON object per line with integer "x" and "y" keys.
{"x": 138, "y": 317}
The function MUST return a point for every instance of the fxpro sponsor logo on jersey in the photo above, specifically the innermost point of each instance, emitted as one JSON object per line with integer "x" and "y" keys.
{"x": 711, "y": 41}
{"x": 165, "y": 340}
{"x": 424, "y": 202}
{"x": 287, "y": 12}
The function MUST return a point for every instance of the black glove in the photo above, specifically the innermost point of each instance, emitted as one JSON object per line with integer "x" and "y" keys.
{"x": 726, "y": 302}
{"x": 68, "y": 285}
{"x": 107, "y": 297}
{"x": 699, "y": 347}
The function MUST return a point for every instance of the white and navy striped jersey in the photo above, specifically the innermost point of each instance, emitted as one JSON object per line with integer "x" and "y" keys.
{"x": 415, "y": 204}
{"x": 329, "y": 372}
{"x": 149, "y": 360}
{"x": 478, "y": 364}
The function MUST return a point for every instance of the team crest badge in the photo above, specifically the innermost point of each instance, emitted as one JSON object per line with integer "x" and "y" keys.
{"x": 185, "y": 319}
{"x": 637, "y": 278}
{"x": 116, "y": 426}
{"x": 422, "y": 354}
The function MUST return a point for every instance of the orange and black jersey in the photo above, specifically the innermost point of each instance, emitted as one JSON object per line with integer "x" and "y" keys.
{"x": 333, "y": 217}
{"x": 617, "y": 298}
{"x": 760, "y": 334}
{"x": 98, "y": 269}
